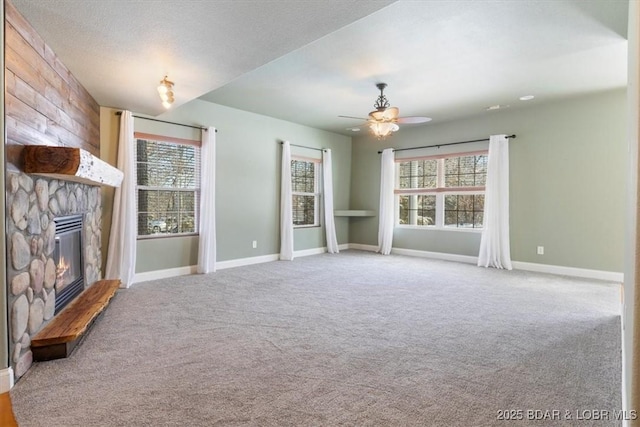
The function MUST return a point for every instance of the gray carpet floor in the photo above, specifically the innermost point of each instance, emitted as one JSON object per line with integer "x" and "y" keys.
{"x": 354, "y": 339}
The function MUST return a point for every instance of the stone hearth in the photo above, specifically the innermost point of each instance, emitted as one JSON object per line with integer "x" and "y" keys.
{"x": 32, "y": 204}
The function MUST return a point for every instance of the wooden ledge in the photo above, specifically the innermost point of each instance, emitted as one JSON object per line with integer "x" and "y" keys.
{"x": 70, "y": 164}
{"x": 60, "y": 336}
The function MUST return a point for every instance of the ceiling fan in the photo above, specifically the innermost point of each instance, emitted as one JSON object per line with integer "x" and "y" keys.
{"x": 384, "y": 119}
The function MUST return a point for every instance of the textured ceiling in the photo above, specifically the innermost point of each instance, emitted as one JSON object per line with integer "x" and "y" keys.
{"x": 444, "y": 60}
{"x": 310, "y": 61}
{"x": 120, "y": 50}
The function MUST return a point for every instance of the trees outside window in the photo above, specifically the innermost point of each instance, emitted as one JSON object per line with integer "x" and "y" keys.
{"x": 441, "y": 191}
{"x": 305, "y": 193}
{"x": 168, "y": 185}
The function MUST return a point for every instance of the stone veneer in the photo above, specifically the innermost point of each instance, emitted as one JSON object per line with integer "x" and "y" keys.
{"x": 32, "y": 203}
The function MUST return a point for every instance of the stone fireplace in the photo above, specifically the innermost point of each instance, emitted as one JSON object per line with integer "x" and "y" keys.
{"x": 38, "y": 207}
{"x": 48, "y": 108}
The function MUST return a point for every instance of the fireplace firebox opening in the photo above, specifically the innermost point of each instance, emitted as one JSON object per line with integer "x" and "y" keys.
{"x": 67, "y": 256}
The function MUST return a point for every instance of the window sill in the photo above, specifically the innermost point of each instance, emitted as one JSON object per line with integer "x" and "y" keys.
{"x": 433, "y": 228}
{"x": 295, "y": 227}
{"x": 165, "y": 236}
{"x": 354, "y": 212}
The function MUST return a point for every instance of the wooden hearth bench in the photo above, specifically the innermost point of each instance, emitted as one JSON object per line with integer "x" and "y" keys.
{"x": 61, "y": 335}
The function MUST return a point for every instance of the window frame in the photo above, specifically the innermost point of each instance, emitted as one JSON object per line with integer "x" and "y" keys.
{"x": 316, "y": 186}
{"x": 440, "y": 191}
{"x": 196, "y": 191}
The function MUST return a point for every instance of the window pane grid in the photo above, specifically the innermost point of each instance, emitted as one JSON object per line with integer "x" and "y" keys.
{"x": 303, "y": 210}
{"x": 418, "y": 210}
{"x": 303, "y": 177}
{"x": 463, "y": 211}
{"x": 168, "y": 178}
{"x": 418, "y": 174}
{"x": 439, "y": 204}
{"x": 304, "y": 183}
{"x": 465, "y": 171}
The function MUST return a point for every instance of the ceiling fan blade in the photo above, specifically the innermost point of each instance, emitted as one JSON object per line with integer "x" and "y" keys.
{"x": 351, "y": 117}
{"x": 386, "y": 117}
{"x": 413, "y": 120}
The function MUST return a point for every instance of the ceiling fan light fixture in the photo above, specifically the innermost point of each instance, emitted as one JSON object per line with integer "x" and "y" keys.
{"x": 382, "y": 102}
{"x": 386, "y": 115}
{"x": 376, "y": 115}
{"x": 383, "y": 129}
{"x": 383, "y": 121}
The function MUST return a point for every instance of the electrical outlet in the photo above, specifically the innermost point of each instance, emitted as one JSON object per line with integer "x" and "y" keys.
{"x": 540, "y": 250}
{"x": 255, "y": 244}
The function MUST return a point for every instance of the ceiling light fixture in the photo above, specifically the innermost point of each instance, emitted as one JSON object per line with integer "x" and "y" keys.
{"x": 165, "y": 89}
{"x": 383, "y": 129}
{"x": 497, "y": 107}
{"x": 383, "y": 121}
{"x": 526, "y": 97}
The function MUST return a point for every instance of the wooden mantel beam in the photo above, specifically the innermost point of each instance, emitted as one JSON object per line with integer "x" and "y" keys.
{"x": 70, "y": 164}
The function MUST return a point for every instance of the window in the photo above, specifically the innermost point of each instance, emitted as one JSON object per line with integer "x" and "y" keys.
{"x": 442, "y": 192}
{"x": 304, "y": 188}
{"x": 168, "y": 184}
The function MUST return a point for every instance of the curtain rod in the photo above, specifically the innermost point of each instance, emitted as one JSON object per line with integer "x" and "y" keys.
{"x": 119, "y": 113}
{"x": 303, "y": 146}
{"x": 444, "y": 145}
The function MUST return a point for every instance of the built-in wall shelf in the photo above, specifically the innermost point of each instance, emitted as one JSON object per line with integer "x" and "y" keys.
{"x": 354, "y": 212}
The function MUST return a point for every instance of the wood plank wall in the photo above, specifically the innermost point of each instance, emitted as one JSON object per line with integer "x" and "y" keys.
{"x": 45, "y": 104}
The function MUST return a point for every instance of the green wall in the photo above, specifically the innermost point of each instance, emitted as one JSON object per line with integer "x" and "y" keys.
{"x": 247, "y": 183}
{"x": 567, "y": 181}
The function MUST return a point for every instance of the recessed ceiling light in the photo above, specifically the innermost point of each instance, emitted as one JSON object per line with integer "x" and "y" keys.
{"x": 354, "y": 129}
{"x": 497, "y": 107}
{"x": 526, "y": 97}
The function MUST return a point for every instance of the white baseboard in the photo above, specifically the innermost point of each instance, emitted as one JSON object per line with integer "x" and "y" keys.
{"x": 527, "y": 266}
{"x": 360, "y": 247}
{"x": 308, "y": 252}
{"x": 163, "y": 274}
{"x": 436, "y": 255}
{"x": 611, "y": 276}
{"x": 272, "y": 257}
{"x": 6, "y": 379}
{"x": 221, "y": 265}
{"x": 239, "y": 262}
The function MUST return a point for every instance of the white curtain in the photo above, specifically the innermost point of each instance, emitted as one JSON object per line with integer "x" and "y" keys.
{"x": 286, "y": 209}
{"x": 207, "y": 228}
{"x": 386, "y": 219}
{"x": 494, "y": 245}
{"x": 327, "y": 186}
{"x": 121, "y": 255}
